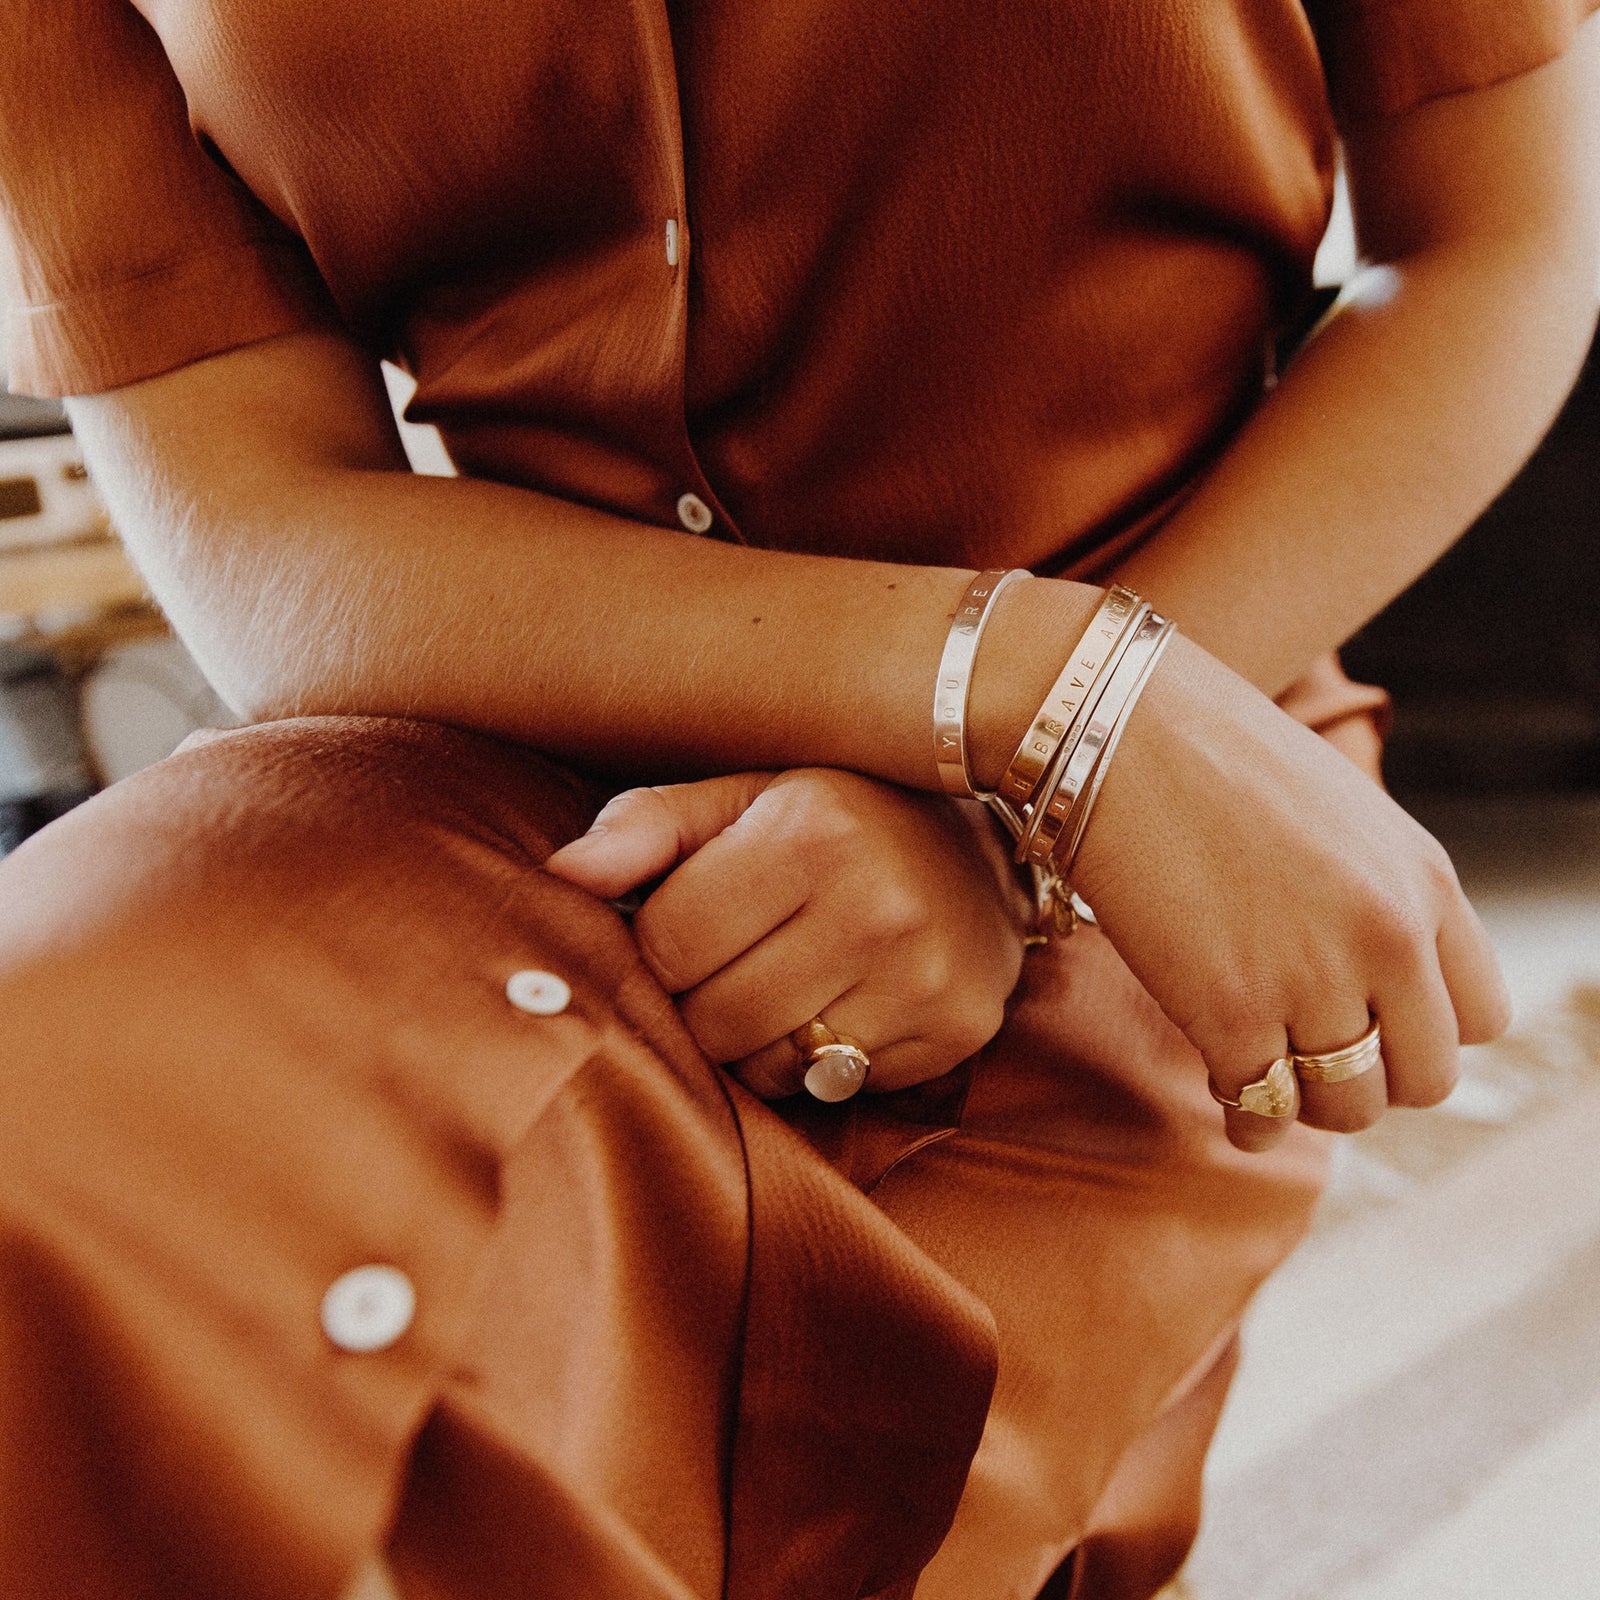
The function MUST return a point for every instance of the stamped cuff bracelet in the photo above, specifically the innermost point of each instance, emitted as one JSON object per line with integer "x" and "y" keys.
{"x": 953, "y": 687}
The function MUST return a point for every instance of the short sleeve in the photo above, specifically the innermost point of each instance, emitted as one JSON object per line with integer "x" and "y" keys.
{"x": 1387, "y": 56}
{"x": 126, "y": 251}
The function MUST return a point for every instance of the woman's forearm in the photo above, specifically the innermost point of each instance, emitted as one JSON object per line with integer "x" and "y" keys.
{"x": 266, "y": 497}
{"x": 1422, "y": 396}
{"x": 1410, "y": 411}
{"x": 311, "y": 573}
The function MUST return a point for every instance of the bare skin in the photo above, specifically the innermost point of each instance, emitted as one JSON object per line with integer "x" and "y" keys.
{"x": 900, "y": 910}
{"x": 1255, "y": 882}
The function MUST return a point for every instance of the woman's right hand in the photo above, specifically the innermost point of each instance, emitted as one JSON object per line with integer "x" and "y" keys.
{"x": 1270, "y": 896}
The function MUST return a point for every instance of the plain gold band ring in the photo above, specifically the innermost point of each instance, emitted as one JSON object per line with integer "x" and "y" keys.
{"x": 1340, "y": 1066}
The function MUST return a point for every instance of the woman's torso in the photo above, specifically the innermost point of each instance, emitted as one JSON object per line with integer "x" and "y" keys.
{"x": 953, "y": 283}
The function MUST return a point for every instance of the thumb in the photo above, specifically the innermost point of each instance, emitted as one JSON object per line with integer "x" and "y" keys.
{"x": 642, "y": 833}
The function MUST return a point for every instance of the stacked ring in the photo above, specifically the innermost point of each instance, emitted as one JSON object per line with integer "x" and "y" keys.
{"x": 1340, "y": 1066}
{"x": 1274, "y": 1094}
{"x": 836, "y": 1067}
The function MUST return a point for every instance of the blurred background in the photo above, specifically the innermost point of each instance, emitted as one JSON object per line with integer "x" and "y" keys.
{"x": 1418, "y": 1411}
{"x": 93, "y": 683}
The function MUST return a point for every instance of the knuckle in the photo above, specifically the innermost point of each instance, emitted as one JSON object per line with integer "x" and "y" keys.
{"x": 928, "y": 975}
{"x": 921, "y": 1061}
{"x": 813, "y": 817}
{"x": 893, "y": 909}
{"x": 630, "y": 800}
{"x": 980, "y": 1021}
{"x": 1439, "y": 871}
{"x": 1255, "y": 1135}
{"x": 1341, "y": 1115}
{"x": 639, "y": 811}
{"x": 711, "y": 1032}
{"x": 1235, "y": 1008}
{"x": 1422, "y": 1090}
{"x": 1394, "y": 931}
{"x": 764, "y": 1077}
{"x": 1491, "y": 1016}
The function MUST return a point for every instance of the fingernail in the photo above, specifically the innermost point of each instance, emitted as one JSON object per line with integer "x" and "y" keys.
{"x": 600, "y": 825}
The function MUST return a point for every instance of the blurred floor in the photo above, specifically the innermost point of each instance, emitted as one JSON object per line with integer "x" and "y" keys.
{"x": 1418, "y": 1413}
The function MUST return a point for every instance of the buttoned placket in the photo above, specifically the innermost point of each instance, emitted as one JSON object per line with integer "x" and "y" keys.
{"x": 369, "y": 1308}
{"x": 697, "y": 509}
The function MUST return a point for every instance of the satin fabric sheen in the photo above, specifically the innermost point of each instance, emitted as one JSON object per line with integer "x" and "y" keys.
{"x": 670, "y": 1341}
{"x": 974, "y": 287}
{"x": 980, "y": 286}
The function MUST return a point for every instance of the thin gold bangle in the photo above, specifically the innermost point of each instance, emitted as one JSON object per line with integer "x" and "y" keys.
{"x": 1062, "y": 862}
{"x": 1058, "y": 789}
{"x": 1067, "y": 694}
{"x": 1061, "y": 809}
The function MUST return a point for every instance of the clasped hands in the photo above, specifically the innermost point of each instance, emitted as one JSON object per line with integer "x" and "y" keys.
{"x": 1262, "y": 888}
{"x": 810, "y": 893}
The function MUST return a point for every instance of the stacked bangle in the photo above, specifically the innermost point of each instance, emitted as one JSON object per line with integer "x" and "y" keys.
{"x": 1073, "y": 763}
{"x": 953, "y": 687}
{"x": 1049, "y": 790}
{"x": 1154, "y": 637}
{"x": 1066, "y": 698}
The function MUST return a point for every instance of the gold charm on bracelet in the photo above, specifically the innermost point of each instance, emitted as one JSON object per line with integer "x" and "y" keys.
{"x": 1056, "y": 912}
{"x": 1056, "y": 907}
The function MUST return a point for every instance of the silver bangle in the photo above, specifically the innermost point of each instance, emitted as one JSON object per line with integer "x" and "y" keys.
{"x": 953, "y": 687}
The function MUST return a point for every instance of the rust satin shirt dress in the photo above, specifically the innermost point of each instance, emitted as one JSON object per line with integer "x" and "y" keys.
{"x": 946, "y": 283}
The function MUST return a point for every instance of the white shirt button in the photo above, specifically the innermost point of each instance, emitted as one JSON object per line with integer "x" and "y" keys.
{"x": 694, "y": 513}
{"x": 672, "y": 241}
{"x": 542, "y": 993}
{"x": 368, "y": 1308}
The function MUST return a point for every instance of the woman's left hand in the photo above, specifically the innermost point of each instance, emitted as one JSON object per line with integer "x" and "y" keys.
{"x": 891, "y": 915}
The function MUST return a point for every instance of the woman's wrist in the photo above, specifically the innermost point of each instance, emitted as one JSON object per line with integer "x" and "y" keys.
{"x": 1106, "y": 645}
